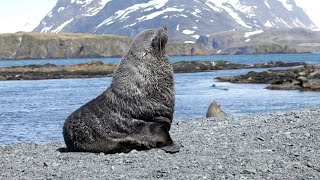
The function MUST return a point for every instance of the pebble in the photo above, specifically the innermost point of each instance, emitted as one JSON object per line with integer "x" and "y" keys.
{"x": 234, "y": 151}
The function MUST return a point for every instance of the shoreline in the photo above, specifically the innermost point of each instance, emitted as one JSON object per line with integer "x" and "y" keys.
{"x": 97, "y": 68}
{"x": 171, "y": 55}
{"x": 274, "y": 145}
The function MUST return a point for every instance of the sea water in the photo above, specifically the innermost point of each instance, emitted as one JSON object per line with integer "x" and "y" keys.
{"x": 35, "y": 110}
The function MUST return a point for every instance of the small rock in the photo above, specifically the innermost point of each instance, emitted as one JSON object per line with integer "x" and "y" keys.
{"x": 215, "y": 110}
{"x": 249, "y": 171}
{"x": 287, "y": 133}
{"x": 307, "y": 134}
{"x": 302, "y": 73}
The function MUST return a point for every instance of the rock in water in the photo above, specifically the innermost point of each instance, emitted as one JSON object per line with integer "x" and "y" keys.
{"x": 136, "y": 111}
{"x": 215, "y": 110}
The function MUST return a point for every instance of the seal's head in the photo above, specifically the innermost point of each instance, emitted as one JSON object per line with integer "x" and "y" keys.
{"x": 151, "y": 41}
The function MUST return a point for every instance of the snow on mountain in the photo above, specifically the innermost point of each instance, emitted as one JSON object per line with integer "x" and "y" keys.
{"x": 185, "y": 19}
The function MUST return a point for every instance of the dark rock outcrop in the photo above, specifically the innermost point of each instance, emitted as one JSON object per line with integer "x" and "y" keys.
{"x": 200, "y": 66}
{"x": 51, "y": 71}
{"x": 306, "y": 78}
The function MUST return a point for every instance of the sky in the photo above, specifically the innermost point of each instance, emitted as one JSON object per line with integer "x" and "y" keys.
{"x": 25, "y": 15}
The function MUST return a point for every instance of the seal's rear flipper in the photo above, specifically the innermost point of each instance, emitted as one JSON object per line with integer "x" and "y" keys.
{"x": 172, "y": 148}
{"x": 62, "y": 150}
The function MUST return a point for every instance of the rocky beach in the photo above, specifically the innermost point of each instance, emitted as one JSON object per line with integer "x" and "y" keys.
{"x": 275, "y": 145}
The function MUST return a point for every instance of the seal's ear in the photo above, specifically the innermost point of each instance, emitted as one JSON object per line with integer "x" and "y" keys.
{"x": 165, "y": 28}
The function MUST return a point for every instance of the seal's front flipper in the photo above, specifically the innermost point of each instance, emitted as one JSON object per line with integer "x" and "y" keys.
{"x": 172, "y": 148}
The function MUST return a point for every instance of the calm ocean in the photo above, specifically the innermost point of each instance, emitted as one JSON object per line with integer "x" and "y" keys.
{"x": 34, "y": 111}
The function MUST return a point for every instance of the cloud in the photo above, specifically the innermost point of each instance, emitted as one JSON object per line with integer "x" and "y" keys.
{"x": 312, "y": 8}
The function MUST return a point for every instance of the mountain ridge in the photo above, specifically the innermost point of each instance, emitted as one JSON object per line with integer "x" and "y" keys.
{"x": 186, "y": 20}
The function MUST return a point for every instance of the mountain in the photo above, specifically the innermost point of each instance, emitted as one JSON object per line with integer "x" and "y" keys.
{"x": 186, "y": 20}
{"x": 262, "y": 41}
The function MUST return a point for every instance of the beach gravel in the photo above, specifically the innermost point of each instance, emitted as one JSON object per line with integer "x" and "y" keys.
{"x": 277, "y": 145}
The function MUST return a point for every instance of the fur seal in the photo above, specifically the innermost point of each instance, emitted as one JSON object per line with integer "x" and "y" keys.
{"x": 215, "y": 110}
{"x": 136, "y": 111}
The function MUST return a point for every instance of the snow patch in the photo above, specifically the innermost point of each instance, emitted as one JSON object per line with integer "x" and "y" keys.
{"x": 158, "y": 13}
{"x": 58, "y": 29}
{"x": 247, "y": 40}
{"x": 197, "y": 10}
{"x": 221, "y": 4}
{"x": 122, "y": 15}
{"x": 178, "y": 27}
{"x": 219, "y": 51}
{"x": 268, "y": 24}
{"x": 286, "y": 4}
{"x": 82, "y": 2}
{"x": 46, "y": 29}
{"x": 212, "y": 6}
{"x": 94, "y": 10}
{"x": 129, "y": 25}
{"x": 299, "y": 22}
{"x": 248, "y": 34}
{"x": 196, "y": 13}
{"x": 267, "y": 4}
{"x": 195, "y": 36}
{"x": 194, "y": 27}
{"x": 50, "y": 15}
{"x": 61, "y": 9}
{"x": 189, "y": 42}
{"x": 186, "y": 31}
{"x": 284, "y": 22}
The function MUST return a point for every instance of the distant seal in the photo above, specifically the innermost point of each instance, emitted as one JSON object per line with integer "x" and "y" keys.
{"x": 136, "y": 111}
{"x": 215, "y": 110}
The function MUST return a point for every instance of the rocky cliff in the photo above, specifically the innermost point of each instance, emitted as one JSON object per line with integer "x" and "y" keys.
{"x": 73, "y": 45}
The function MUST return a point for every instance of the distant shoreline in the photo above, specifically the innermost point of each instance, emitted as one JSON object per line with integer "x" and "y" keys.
{"x": 173, "y": 55}
{"x": 99, "y": 69}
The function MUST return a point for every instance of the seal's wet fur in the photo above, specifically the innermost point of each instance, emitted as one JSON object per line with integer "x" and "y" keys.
{"x": 136, "y": 111}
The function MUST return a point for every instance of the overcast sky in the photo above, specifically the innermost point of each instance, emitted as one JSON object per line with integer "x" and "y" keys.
{"x": 25, "y": 15}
